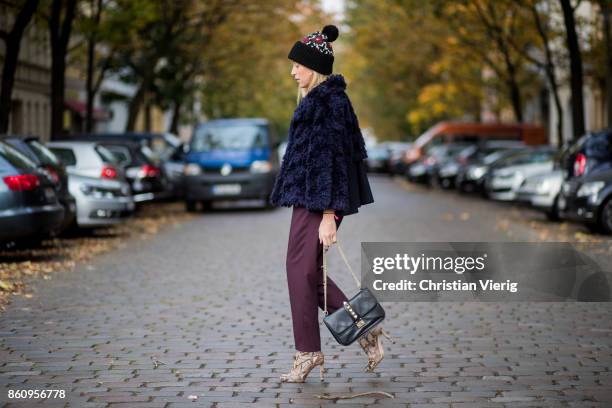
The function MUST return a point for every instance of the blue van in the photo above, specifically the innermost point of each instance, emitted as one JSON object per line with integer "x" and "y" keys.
{"x": 230, "y": 159}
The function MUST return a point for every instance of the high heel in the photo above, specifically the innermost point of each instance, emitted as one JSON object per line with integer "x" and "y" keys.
{"x": 372, "y": 345}
{"x": 303, "y": 363}
{"x": 321, "y": 371}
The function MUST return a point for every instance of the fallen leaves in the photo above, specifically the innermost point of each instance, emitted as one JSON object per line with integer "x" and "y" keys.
{"x": 64, "y": 253}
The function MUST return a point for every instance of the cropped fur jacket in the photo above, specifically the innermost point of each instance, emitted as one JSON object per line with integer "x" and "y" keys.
{"x": 324, "y": 141}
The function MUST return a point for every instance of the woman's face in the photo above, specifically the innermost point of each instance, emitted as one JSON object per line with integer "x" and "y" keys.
{"x": 301, "y": 74}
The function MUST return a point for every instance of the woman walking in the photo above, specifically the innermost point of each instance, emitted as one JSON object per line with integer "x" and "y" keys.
{"x": 322, "y": 177}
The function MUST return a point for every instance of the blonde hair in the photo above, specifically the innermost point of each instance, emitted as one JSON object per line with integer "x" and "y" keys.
{"x": 315, "y": 80}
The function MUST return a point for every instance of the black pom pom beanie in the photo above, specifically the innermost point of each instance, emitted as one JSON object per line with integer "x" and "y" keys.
{"x": 315, "y": 51}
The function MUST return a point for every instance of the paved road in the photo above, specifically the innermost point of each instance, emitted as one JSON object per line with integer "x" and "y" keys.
{"x": 203, "y": 310}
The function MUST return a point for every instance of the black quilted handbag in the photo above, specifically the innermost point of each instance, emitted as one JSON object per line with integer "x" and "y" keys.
{"x": 360, "y": 314}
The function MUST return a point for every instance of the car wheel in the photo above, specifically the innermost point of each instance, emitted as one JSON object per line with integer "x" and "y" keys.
{"x": 206, "y": 205}
{"x": 594, "y": 228}
{"x": 553, "y": 213}
{"x": 30, "y": 242}
{"x": 605, "y": 219}
{"x": 190, "y": 205}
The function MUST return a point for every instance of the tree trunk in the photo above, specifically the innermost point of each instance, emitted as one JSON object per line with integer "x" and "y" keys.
{"x": 606, "y": 9}
{"x": 60, "y": 35}
{"x": 555, "y": 91}
{"x": 147, "y": 112}
{"x": 515, "y": 95}
{"x": 176, "y": 114}
{"x": 12, "y": 42}
{"x": 575, "y": 69}
{"x": 58, "y": 68}
{"x": 96, "y": 7}
{"x": 134, "y": 107}
{"x": 91, "y": 49}
{"x": 513, "y": 87}
{"x": 549, "y": 68}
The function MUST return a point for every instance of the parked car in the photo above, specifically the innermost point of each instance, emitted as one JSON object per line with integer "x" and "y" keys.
{"x": 589, "y": 154}
{"x": 588, "y": 199}
{"x": 444, "y": 132}
{"x": 173, "y": 167}
{"x": 426, "y": 169}
{"x": 147, "y": 180}
{"x": 143, "y": 171}
{"x": 52, "y": 168}
{"x": 378, "y": 159}
{"x": 230, "y": 159}
{"x": 471, "y": 177}
{"x": 158, "y": 144}
{"x": 447, "y": 174}
{"x": 541, "y": 191}
{"x": 164, "y": 149}
{"x": 396, "y": 151}
{"x": 29, "y": 205}
{"x": 506, "y": 176}
{"x": 97, "y": 181}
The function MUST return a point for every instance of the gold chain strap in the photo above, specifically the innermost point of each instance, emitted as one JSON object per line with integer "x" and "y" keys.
{"x": 347, "y": 396}
{"x": 325, "y": 272}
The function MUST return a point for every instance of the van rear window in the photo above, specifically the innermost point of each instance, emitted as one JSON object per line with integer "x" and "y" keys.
{"x": 15, "y": 158}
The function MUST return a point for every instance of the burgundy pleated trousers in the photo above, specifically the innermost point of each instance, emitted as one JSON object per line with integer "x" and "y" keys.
{"x": 305, "y": 278}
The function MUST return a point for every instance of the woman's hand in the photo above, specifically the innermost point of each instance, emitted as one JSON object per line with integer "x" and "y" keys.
{"x": 327, "y": 230}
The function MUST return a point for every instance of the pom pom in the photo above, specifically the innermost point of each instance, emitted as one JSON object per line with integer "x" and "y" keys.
{"x": 331, "y": 31}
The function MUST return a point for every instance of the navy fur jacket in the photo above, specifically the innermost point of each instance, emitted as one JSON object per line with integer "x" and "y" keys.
{"x": 323, "y": 165}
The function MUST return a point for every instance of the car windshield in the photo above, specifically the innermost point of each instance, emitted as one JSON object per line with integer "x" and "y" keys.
{"x": 598, "y": 146}
{"x": 15, "y": 157}
{"x": 525, "y": 158}
{"x": 492, "y": 157}
{"x": 106, "y": 155}
{"x": 45, "y": 155}
{"x": 150, "y": 155}
{"x": 158, "y": 148}
{"x": 466, "y": 152}
{"x": 236, "y": 137}
{"x": 454, "y": 149}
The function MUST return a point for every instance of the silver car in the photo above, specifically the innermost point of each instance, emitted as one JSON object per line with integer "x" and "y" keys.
{"x": 542, "y": 192}
{"x": 103, "y": 196}
{"x": 504, "y": 180}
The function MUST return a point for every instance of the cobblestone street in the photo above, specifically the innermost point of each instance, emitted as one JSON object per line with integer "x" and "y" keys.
{"x": 202, "y": 309}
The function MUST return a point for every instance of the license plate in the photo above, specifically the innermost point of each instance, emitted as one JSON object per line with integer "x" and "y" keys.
{"x": 49, "y": 194}
{"x": 226, "y": 189}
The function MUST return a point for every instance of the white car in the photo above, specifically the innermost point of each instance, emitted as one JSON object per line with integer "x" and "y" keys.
{"x": 542, "y": 192}
{"x": 102, "y": 194}
{"x": 504, "y": 180}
